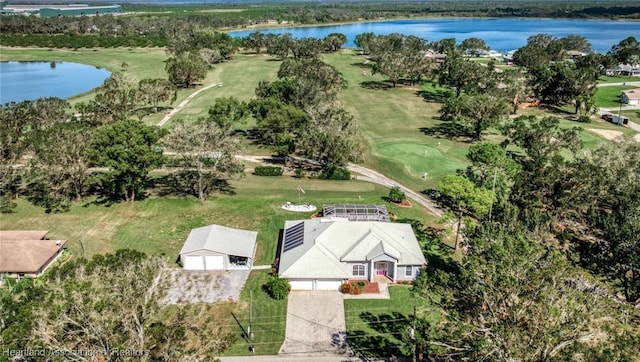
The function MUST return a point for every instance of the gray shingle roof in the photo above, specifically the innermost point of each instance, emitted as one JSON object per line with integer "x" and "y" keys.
{"x": 330, "y": 243}
{"x": 221, "y": 239}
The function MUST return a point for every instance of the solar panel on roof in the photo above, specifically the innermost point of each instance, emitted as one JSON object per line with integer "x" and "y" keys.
{"x": 293, "y": 236}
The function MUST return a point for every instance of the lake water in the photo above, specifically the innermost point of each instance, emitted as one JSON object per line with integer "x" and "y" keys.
{"x": 501, "y": 34}
{"x": 21, "y": 81}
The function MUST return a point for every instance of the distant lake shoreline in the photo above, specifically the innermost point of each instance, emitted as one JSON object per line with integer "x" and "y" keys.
{"x": 502, "y": 34}
{"x": 30, "y": 80}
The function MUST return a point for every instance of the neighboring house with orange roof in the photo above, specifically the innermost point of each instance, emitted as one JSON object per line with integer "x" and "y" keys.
{"x": 26, "y": 253}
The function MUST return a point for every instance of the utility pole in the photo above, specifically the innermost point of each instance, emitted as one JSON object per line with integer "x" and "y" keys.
{"x": 412, "y": 334}
{"x": 252, "y": 348}
{"x": 495, "y": 174}
{"x": 620, "y": 111}
{"x": 250, "y": 314}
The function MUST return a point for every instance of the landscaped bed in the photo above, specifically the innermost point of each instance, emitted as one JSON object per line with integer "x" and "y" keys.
{"x": 359, "y": 287}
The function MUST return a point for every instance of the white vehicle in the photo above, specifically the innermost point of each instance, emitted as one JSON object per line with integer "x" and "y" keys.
{"x": 619, "y": 119}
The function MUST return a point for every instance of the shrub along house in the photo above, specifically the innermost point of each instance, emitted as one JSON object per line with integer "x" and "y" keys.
{"x": 27, "y": 253}
{"x": 322, "y": 253}
{"x": 216, "y": 247}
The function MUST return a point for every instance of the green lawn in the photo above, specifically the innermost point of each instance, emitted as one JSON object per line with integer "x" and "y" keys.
{"x": 614, "y": 79}
{"x": 375, "y": 327}
{"x": 142, "y": 62}
{"x": 268, "y": 320}
{"x": 609, "y": 96}
{"x": 159, "y": 225}
{"x": 397, "y": 124}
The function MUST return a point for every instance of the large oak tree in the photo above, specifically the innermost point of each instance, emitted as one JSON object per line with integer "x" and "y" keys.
{"x": 129, "y": 149}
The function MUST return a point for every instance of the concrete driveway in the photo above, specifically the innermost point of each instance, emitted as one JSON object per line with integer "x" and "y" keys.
{"x": 315, "y": 324}
{"x": 186, "y": 286}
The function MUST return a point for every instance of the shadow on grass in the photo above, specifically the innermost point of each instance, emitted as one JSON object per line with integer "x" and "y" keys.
{"x": 107, "y": 195}
{"x": 450, "y": 130}
{"x": 435, "y": 95}
{"x": 244, "y": 334}
{"x": 372, "y": 84}
{"x": 385, "y": 341}
{"x": 557, "y": 110}
{"x": 363, "y": 65}
{"x": 146, "y": 111}
{"x": 182, "y": 184}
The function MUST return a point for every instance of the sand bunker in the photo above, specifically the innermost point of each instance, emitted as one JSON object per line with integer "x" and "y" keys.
{"x": 606, "y": 133}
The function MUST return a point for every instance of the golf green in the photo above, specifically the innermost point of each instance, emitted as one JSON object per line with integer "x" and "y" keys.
{"x": 418, "y": 158}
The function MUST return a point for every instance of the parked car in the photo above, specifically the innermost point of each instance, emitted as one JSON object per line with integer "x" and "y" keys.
{"x": 607, "y": 117}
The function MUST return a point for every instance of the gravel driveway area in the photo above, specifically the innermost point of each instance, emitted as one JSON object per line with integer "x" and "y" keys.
{"x": 315, "y": 324}
{"x": 186, "y": 286}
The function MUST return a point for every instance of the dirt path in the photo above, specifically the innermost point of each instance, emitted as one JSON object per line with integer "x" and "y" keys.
{"x": 179, "y": 107}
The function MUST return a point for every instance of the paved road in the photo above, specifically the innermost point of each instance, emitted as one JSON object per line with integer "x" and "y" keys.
{"x": 618, "y": 84}
{"x": 278, "y": 358}
{"x": 179, "y": 107}
{"x": 380, "y": 179}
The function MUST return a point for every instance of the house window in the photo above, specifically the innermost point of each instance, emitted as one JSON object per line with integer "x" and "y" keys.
{"x": 408, "y": 271}
{"x": 358, "y": 270}
{"x": 238, "y": 260}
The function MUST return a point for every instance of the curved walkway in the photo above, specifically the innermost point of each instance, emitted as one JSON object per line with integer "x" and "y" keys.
{"x": 380, "y": 179}
{"x": 179, "y": 107}
{"x": 370, "y": 175}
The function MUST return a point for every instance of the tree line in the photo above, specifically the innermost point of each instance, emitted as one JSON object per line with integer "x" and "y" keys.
{"x": 550, "y": 248}
{"x": 152, "y": 26}
{"x": 108, "y": 305}
{"x": 548, "y": 266}
{"x": 482, "y": 95}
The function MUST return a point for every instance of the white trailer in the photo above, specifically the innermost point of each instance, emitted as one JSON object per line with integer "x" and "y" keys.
{"x": 619, "y": 119}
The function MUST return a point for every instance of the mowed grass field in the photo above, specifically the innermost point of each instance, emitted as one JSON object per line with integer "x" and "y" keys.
{"x": 398, "y": 126}
{"x": 160, "y": 225}
{"x": 393, "y": 123}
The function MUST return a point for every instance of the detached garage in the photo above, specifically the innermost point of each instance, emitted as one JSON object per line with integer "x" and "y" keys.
{"x": 216, "y": 247}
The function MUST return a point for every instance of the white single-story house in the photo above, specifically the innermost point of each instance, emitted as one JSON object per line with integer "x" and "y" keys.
{"x": 322, "y": 253}
{"x": 630, "y": 97}
{"x": 625, "y": 69}
{"x": 216, "y": 247}
{"x": 26, "y": 253}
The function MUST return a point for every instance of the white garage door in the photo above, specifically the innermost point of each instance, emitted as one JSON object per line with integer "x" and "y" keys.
{"x": 193, "y": 262}
{"x": 301, "y": 284}
{"x": 328, "y": 284}
{"x": 214, "y": 262}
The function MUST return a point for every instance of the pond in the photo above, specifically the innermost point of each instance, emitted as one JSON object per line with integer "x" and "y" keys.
{"x": 21, "y": 81}
{"x": 502, "y": 34}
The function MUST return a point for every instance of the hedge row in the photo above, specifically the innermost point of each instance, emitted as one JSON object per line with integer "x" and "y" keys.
{"x": 268, "y": 171}
{"x": 80, "y": 41}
